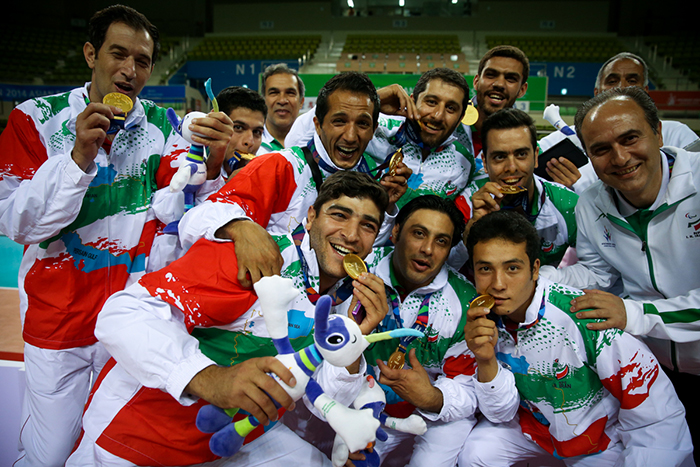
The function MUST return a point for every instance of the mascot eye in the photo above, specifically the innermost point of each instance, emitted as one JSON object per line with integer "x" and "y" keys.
{"x": 335, "y": 339}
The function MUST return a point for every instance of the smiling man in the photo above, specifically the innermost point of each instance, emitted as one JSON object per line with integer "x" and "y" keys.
{"x": 428, "y": 136}
{"x": 549, "y": 385}
{"x": 283, "y": 91}
{"x": 87, "y": 202}
{"x": 500, "y": 80}
{"x": 276, "y": 190}
{"x": 426, "y": 294}
{"x": 620, "y": 71}
{"x": 639, "y": 222}
{"x": 510, "y": 149}
{"x": 190, "y": 335}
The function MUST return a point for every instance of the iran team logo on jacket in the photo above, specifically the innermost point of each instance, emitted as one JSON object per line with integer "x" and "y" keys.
{"x": 693, "y": 225}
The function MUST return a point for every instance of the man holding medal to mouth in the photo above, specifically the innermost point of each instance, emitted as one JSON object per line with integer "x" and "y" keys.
{"x": 510, "y": 157}
{"x": 87, "y": 198}
{"x": 549, "y": 385}
{"x": 431, "y": 375}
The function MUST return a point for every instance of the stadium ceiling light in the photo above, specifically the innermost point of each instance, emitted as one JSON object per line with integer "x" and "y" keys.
{"x": 351, "y": 4}
{"x": 402, "y": 3}
{"x": 454, "y": 2}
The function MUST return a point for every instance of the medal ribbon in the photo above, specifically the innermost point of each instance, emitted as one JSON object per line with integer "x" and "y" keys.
{"x": 421, "y": 320}
{"x": 338, "y": 294}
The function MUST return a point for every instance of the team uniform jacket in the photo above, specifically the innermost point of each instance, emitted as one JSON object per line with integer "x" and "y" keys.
{"x": 555, "y": 222}
{"x": 275, "y": 191}
{"x": 675, "y": 134}
{"x": 87, "y": 234}
{"x": 446, "y": 171}
{"x": 656, "y": 252}
{"x": 171, "y": 325}
{"x": 443, "y": 351}
{"x": 582, "y": 391}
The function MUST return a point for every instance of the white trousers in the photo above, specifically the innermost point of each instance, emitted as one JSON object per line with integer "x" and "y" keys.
{"x": 278, "y": 447}
{"x": 503, "y": 444}
{"x": 437, "y": 447}
{"x": 58, "y": 384}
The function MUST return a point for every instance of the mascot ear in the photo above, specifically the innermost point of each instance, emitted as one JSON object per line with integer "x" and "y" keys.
{"x": 323, "y": 309}
{"x": 174, "y": 120}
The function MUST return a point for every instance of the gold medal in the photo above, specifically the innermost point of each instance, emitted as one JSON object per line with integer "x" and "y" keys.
{"x": 471, "y": 115}
{"x": 512, "y": 189}
{"x": 354, "y": 265}
{"x": 483, "y": 300}
{"x": 244, "y": 156}
{"x": 396, "y": 360}
{"x": 395, "y": 161}
{"x": 118, "y": 100}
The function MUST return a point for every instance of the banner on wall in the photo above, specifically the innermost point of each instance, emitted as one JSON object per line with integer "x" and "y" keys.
{"x": 535, "y": 98}
{"x": 676, "y": 100}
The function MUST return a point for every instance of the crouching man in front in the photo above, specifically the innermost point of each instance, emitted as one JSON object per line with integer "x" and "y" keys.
{"x": 549, "y": 385}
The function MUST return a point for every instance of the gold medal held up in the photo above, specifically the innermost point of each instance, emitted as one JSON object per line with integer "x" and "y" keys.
{"x": 397, "y": 359}
{"x": 396, "y": 159}
{"x": 354, "y": 265}
{"x": 119, "y": 100}
{"x": 483, "y": 300}
{"x": 123, "y": 103}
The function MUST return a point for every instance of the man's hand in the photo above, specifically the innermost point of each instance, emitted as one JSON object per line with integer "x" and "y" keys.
{"x": 357, "y": 456}
{"x": 487, "y": 199}
{"x": 481, "y": 335}
{"x": 257, "y": 253}
{"x": 397, "y": 185}
{"x": 394, "y": 100}
{"x": 563, "y": 171}
{"x": 371, "y": 292}
{"x": 90, "y": 132}
{"x": 217, "y": 128}
{"x": 412, "y": 385}
{"x": 600, "y": 305}
{"x": 246, "y": 386}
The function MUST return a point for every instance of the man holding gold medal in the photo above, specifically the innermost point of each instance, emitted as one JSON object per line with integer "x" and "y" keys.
{"x": 84, "y": 187}
{"x": 510, "y": 157}
{"x": 430, "y": 375}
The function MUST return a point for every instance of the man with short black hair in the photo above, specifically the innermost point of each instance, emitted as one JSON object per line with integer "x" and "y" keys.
{"x": 430, "y": 136}
{"x": 427, "y": 294}
{"x": 510, "y": 159}
{"x": 640, "y": 223}
{"x": 247, "y": 111}
{"x": 190, "y": 335}
{"x": 500, "y": 80}
{"x": 283, "y": 91}
{"x": 546, "y": 383}
{"x": 276, "y": 190}
{"x": 87, "y": 197}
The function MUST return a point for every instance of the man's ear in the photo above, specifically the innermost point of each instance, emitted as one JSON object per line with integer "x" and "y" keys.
{"x": 317, "y": 124}
{"x": 395, "y": 233}
{"x": 310, "y": 214}
{"x": 660, "y": 135}
{"x": 523, "y": 90}
{"x": 90, "y": 54}
{"x": 536, "y": 270}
